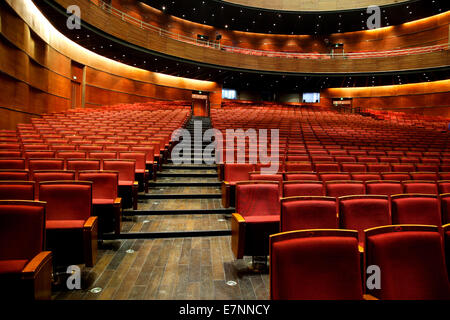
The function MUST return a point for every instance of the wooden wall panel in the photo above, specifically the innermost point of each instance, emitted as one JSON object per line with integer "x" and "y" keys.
{"x": 424, "y": 32}
{"x": 121, "y": 29}
{"x": 36, "y": 71}
{"x": 431, "y": 98}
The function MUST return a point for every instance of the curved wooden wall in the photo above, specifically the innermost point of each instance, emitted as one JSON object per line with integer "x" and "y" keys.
{"x": 36, "y": 71}
{"x": 428, "y": 98}
{"x": 423, "y": 32}
{"x": 316, "y": 5}
{"x": 152, "y": 41}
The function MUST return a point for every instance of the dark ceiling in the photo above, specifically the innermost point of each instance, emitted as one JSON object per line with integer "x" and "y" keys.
{"x": 230, "y": 16}
{"x": 116, "y": 49}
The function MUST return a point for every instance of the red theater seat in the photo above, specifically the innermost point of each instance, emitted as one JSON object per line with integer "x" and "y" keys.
{"x": 308, "y": 213}
{"x": 17, "y": 190}
{"x": 420, "y": 186}
{"x": 384, "y": 187}
{"x": 140, "y": 169}
{"x": 363, "y": 212}
{"x": 397, "y": 176}
{"x": 51, "y": 175}
{"x": 330, "y": 176}
{"x": 327, "y": 167}
{"x": 12, "y": 163}
{"x": 290, "y": 176}
{"x": 83, "y": 164}
{"x": 411, "y": 262}
{"x": 431, "y": 176}
{"x": 416, "y": 209}
{"x": 69, "y": 222}
{"x": 233, "y": 173}
{"x": 344, "y": 188}
{"x": 39, "y": 154}
{"x": 257, "y": 216}
{"x": 25, "y": 268}
{"x": 45, "y": 164}
{"x": 127, "y": 183}
{"x": 303, "y": 188}
{"x": 22, "y": 175}
{"x": 378, "y": 167}
{"x": 290, "y": 166}
{"x": 353, "y": 167}
{"x": 300, "y": 265}
{"x": 363, "y": 176}
{"x": 105, "y": 198}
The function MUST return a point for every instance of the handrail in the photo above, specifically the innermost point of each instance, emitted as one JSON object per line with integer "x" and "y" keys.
{"x": 216, "y": 45}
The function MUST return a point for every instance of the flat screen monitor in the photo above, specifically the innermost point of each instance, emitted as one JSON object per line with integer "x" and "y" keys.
{"x": 311, "y": 97}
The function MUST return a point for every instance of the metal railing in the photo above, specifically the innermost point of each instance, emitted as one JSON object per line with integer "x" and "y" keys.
{"x": 217, "y": 46}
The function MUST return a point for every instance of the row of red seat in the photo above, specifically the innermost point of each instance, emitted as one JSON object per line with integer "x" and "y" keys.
{"x": 402, "y": 262}
{"x": 258, "y": 202}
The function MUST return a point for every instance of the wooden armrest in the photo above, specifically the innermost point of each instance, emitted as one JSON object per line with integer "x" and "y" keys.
{"x": 89, "y": 224}
{"x": 239, "y": 218}
{"x": 369, "y": 297}
{"x": 117, "y": 201}
{"x": 38, "y": 262}
{"x": 237, "y": 235}
{"x": 136, "y": 184}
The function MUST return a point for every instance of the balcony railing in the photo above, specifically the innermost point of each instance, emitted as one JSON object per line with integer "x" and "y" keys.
{"x": 294, "y": 55}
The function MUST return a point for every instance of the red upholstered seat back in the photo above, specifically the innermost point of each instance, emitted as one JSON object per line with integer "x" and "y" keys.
{"x": 330, "y": 176}
{"x": 308, "y": 213}
{"x": 302, "y": 188}
{"x": 102, "y": 155}
{"x": 424, "y": 187}
{"x": 21, "y": 229}
{"x": 12, "y": 163}
{"x": 365, "y": 176}
{"x": 344, "y": 188}
{"x": 290, "y": 176}
{"x": 378, "y": 167}
{"x": 431, "y": 176}
{"x": 363, "y": 212}
{"x": 444, "y": 186}
{"x": 22, "y": 175}
{"x": 416, "y": 209}
{"x": 327, "y": 167}
{"x": 67, "y": 200}
{"x": 297, "y": 166}
{"x": 17, "y": 190}
{"x": 445, "y": 208}
{"x": 104, "y": 183}
{"x": 353, "y": 167}
{"x": 257, "y": 199}
{"x": 384, "y": 187}
{"x": 266, "y": 177}
{"x": 411, "y": 263}
{"x": 397, "y": 176}
{"x": 83, "y": 164}
{"x": 238, "y": 171}
{"x": 45, "y": 164}
{"x": 126, "y": 169}
{"x": 149, "y": 152}
{"x": 315, "y": 267}
{"x": 139, "y": 157}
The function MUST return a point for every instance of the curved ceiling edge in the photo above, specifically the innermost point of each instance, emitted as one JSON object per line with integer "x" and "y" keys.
{"x": 311, "y": 6}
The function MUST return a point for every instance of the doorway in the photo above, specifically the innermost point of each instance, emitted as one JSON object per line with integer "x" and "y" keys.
{"x": 200, "y": 105}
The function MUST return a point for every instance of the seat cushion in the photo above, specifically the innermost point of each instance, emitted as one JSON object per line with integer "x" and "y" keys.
{"x": 65, "y": 224}
{"x": 126, "y": 183}
{"x": 102, "y": 201}
{"x": 12, "y": 266}
{"x": 262, "y": 219}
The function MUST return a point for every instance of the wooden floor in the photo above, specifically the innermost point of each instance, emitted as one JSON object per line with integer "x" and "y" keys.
{"x": 172, "y": 268}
